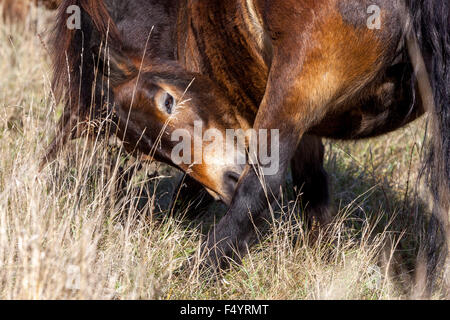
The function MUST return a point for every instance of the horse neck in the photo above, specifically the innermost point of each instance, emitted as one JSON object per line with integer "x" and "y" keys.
{"x": 213, "y": 41}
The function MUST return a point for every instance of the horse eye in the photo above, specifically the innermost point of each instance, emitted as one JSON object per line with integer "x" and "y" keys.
{"x": 169, "y": 103}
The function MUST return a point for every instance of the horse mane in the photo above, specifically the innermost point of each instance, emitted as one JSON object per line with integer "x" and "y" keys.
{"x": 69, "y": 46}
{"x": 74, "y": 67}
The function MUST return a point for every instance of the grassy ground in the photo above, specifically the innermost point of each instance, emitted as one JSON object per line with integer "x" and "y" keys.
{"x": 71, "y": 231}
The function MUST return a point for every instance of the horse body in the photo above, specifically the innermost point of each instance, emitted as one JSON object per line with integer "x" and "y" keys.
{"x": 307, "y": 68}
{"x": 297, "y": 62}
{"x": 242, "y": 67}
{"x": 356, "y": 83}
{"x": 310, "y": 67}
{"x": 377, "y": 103}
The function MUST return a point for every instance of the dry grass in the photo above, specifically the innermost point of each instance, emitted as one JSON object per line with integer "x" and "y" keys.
{"x": 72, "y": 232}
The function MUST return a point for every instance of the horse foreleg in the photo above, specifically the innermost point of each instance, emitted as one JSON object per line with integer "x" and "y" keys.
{"x": 311, "y": 181}
{"x": 289, "y": 108}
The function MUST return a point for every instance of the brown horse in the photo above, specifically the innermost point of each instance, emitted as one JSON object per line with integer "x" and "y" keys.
{"x": 307, "y": 69}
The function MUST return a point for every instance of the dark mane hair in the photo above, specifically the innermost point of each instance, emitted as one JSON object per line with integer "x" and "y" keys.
{"x": 74, "y": 65}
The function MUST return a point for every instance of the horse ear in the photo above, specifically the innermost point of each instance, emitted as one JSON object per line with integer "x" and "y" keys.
{"x": 121, "y": 68}
{"x": 116, "y": 65}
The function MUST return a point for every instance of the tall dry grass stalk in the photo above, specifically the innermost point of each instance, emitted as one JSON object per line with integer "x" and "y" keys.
{"x": 75, "y": 231}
